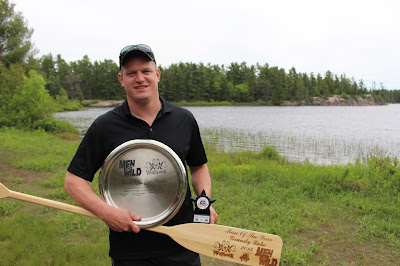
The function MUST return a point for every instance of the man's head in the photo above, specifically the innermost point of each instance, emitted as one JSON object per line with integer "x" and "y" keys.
{"x": 139, "y": 74}
{"x": 135, "y": 50}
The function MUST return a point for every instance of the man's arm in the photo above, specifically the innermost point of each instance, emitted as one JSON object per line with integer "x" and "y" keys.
{"x": 201, "y": 179}
{"x": 82, "y": 192}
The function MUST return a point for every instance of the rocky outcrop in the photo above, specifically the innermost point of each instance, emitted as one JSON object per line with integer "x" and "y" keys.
{"x": 110, "y": 103}
{"x": 338, "y": 100}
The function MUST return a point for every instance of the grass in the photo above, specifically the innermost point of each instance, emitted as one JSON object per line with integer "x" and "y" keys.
{"x": 326, "y": 215}
{"x": 309, "y": 206}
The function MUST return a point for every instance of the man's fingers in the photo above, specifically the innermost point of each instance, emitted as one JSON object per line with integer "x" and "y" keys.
{"x": 135, "y": 217}
{"x": 121, "y": 220}
{"x": 134, "y": 226}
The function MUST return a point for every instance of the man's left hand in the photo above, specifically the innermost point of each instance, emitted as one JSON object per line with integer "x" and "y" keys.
{"x": 213, "y": 215}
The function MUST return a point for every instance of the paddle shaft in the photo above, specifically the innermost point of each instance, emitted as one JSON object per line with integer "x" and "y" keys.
{"x": 50, "y": 203}
{"x": 217, "y": 241}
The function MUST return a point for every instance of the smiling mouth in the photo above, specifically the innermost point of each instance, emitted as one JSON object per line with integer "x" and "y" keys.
{"x": 140, "y": 87}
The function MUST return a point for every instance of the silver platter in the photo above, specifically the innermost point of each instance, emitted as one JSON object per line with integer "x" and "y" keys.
{"x": 145, "y": 177}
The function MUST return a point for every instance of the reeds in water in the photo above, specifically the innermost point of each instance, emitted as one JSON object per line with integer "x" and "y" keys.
{"x": 300, "y": 147}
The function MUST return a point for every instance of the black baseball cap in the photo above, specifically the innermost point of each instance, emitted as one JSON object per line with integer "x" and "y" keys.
{"x": 135, "y": 48}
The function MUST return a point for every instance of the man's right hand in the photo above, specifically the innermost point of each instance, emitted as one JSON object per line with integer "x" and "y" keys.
{"x": 120, "y": 220}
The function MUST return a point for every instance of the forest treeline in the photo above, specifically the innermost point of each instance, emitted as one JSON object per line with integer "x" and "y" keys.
{"x": 33, "y": 88}
{"x": 236, "y": 82}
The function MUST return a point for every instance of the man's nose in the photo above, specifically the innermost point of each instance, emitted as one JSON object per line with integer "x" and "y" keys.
{"x": 139, "y": 77}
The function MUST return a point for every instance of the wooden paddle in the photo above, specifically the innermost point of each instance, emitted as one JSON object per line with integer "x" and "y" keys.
{"x": 217, "y": 241}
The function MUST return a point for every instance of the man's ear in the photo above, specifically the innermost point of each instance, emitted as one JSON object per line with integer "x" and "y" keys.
{"x": 158, "y": 74}
{"x": 120, "y": 78}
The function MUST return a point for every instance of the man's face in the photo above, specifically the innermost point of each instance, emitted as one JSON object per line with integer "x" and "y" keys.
{"x": 140, "y": 79}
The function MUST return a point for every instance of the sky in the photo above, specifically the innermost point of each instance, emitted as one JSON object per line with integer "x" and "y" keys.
{"x": 359, "y": 38}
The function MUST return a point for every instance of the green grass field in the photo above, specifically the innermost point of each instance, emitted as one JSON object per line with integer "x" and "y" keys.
{"x": 326, "y": 215}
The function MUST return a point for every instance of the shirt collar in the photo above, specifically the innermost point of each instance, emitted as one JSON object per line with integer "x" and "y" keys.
{"x": 166, "y": 107}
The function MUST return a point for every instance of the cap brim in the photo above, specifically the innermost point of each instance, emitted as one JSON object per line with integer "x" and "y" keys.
{"x": 135, "y": 53}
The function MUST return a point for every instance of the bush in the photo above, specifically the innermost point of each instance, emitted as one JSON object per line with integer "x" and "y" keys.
{"x": 27, "y": 102}
{"x": 71, "y": 106}
{"x": 382, "y": 175}
{"x": 344, "y": 96}
{"x": 54, "y": 126}
{"x": 65, "y": 104}
{"x": 269, "y": 152}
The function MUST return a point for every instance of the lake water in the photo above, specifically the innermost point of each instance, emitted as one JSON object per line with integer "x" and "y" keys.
{"x": 319, "y": 134}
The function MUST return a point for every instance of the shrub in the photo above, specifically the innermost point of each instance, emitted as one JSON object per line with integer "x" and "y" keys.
{"x": 269, "y": 152}
{"x": 54, "y": 126}
{"x": 65, "y": 104}
{"x": 26, "y": 103}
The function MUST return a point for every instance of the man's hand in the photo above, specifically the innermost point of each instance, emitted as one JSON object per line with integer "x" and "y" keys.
{"x": 120, "y": 220}
{"x": 201, "y": 180}
{"x": 213, "y": 216}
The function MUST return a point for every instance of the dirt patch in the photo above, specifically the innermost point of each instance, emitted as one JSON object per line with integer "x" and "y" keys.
{"x": 338, "y": 243}
{"x": 70, "y": 137}
{"x": 208, "y": 261}
{"x": 20, "y": 179}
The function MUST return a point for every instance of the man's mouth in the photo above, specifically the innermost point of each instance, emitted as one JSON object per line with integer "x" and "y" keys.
{"x": 140, "y": 87}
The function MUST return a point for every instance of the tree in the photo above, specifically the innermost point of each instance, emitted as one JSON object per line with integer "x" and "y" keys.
{"x": 300, "y": 93}
{"x": 322, "y": 85}
{"x": 329, "y": 83}
{"x": 251, "y": 80}
{"x": 15, "y": 35}
{"x": 83, "y": 70}
{"x": 241, "y": 93}
{"x": 277, "y": 83}
{"x": 362, "y": 86}
{"x": 236, "y": 73}
{"x": 216, "y": 88}
{"x": 11, "y": 83}
{"x": 63, "y": 73}
{"x": 33, "y": 63}
{"x": 49, "y": 72}
{"x": 292, "y": 78}
{"x": 263, "y": 76}
{"x": 105, "y": 84}
{"x": 314, "y": 90}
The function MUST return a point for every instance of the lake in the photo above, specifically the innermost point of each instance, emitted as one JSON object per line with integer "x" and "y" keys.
{"x": 319, "y": 134}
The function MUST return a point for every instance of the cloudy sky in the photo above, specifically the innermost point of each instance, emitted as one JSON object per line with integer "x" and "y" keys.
{"x": 360, "y": 38}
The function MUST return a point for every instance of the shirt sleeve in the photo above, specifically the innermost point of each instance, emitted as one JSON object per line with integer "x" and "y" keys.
{"x": 196, "y": 155}
{"x": 90, "y": 155}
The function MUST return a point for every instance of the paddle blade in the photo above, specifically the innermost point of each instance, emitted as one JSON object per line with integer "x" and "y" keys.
{"x": 227, "y": 243}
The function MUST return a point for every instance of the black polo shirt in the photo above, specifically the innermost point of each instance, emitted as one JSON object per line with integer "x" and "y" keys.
{"x": 175, "y": 127}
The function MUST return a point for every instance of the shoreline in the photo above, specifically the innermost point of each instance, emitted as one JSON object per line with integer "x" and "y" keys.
{"x": 335, "y": 100}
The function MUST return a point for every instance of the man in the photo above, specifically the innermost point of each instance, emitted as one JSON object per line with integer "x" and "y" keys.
{"x": 144, "y": 115}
